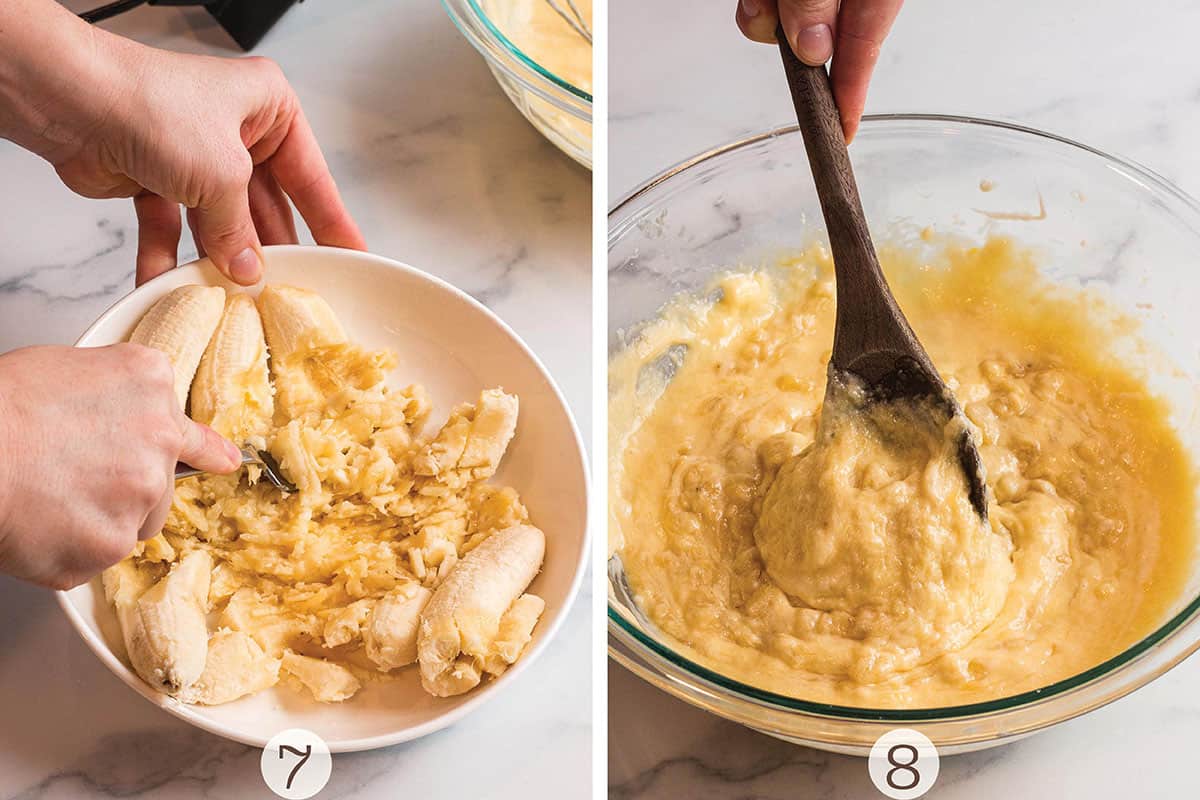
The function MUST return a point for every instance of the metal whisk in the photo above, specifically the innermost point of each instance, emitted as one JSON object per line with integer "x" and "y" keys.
{"x": 572, "y": 17}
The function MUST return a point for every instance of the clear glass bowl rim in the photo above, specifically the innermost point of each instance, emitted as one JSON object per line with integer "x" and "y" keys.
{"x": 713, "y": 681}
{"x": 484, "y": 36}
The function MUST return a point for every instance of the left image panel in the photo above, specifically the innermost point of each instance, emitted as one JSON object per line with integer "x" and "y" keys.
{"x": 295, "y": 313}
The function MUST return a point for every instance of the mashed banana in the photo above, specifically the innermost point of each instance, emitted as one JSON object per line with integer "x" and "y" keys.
{"x": 338, "y": 583}
{"x": 835, "y": 557}
{"x": 371, "y": 516}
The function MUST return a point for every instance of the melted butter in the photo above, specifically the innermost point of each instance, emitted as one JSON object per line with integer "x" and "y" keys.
{"x": 820, "y": 560}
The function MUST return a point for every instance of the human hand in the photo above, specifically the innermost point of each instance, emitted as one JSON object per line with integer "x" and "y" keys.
{"x": 90, "y": 439}
{"x": 818, "y": 29}
{"x": 226, "y": 138}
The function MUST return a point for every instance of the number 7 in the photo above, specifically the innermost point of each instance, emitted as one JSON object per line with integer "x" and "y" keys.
{"x": 304, "y": 756}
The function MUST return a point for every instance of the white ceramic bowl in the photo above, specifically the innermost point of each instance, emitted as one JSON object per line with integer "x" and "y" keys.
{"x": 455, "y": 347}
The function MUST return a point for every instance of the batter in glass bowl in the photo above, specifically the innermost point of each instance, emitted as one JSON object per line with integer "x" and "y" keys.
{"x": 834, "y": 557}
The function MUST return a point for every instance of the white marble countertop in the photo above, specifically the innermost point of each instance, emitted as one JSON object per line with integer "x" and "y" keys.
{"x": 441, "y": 172}
{"x": 1120, "y": 80}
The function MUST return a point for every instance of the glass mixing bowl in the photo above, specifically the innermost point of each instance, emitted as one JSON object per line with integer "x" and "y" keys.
{"x": 560, "y": 111}
{"x": 1095, "y": 220}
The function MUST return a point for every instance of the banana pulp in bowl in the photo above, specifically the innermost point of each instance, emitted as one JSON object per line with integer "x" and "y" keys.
{"x": 794, "y": 574}
{"x": 406, "y": 570}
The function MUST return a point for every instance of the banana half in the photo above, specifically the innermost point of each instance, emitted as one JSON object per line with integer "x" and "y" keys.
{"x": 180, "y": 325}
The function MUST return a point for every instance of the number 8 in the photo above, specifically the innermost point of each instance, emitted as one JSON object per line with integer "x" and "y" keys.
{"x": 898, "y": 766}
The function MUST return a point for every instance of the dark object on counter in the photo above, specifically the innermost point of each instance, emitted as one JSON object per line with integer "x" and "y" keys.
{"x": 247, "y": 21}
{"x": 872, "y": 340}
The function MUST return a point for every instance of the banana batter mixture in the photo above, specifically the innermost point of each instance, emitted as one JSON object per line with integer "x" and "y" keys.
{"x": 842, "y": 562}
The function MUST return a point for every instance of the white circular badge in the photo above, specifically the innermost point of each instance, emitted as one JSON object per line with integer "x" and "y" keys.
{"x": 296, "y": 764}
{"x": 903, "y": 764}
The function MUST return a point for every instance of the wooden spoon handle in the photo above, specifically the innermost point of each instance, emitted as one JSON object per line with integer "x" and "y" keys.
{"x": 868, "y": 318}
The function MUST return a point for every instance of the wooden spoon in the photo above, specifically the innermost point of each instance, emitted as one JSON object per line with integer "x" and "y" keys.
{"x": 872, "y": 340}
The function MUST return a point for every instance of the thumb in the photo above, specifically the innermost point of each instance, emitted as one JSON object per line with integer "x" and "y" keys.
{"x": 809, "y": 27}
{"x": 758, "y": 19}
{"x": 226, "y": 231}
{"x": 204, "y": 448}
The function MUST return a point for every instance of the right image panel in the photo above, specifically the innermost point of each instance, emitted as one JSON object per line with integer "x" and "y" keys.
{"x": 902, "y": 396}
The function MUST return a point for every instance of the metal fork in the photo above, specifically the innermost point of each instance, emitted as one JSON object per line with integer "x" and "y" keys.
{"x": 270, "y": 468}
{"x": 572, "y": 17}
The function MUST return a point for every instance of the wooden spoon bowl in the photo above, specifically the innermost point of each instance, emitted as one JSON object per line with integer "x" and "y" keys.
{"x": 872, "y": 342}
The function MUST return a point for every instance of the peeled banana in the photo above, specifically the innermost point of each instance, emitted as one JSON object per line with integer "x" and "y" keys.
{"x": 345, "y": 625}
{"x": 516, "y": 629}
{"x": 164, "y": 626}
{"x": 232, "y": 389}
{"x": 390, "y": 635}
{"x": 461, "y": 634}
{"x": 470, "y": 445}
{"x": 296, "y": 320}
{"x": 328, "y": 682}
{"x": 270, "y": 626}
{"x": 181, "y": 325}
{"x": 236, "y": 666}
{"x": 298, "y": 324}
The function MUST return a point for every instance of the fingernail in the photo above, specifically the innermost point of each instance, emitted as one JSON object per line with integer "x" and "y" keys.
{"x": 244, "y": 267}
{"x": 750, "y": 8}
{"x": 814, "y": 45}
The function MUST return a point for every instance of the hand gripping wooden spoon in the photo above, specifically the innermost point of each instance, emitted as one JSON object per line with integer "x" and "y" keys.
{"x": 872, "y": 340}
